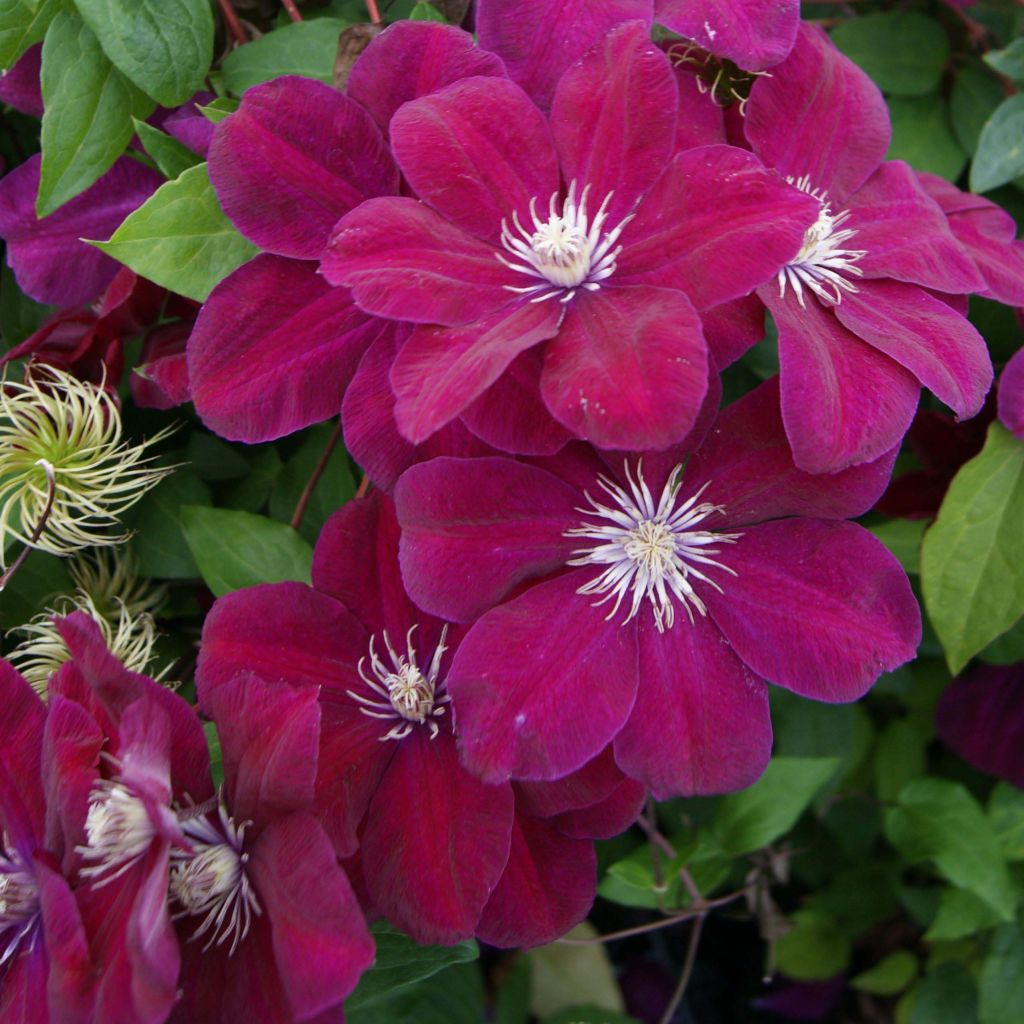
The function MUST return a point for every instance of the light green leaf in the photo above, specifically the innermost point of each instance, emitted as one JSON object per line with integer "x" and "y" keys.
{"x": 945, "y": 996}
{"x": 889, "y": 976}
{"x": 755, "y": 817}
{"x": 1006, "y": 812}
{"x": 1001, "y": 985}
{"x": 976, "y": 93}
{"x": 960, "y": 914}
{"x": 899, "y": 758}
{"x": 164, "y": 46}
{"x": 23, "y": 23}
{"x": 814, "y": 949}
{"x": 180, "y": 237}
{"x": 305, "y": 48}
{"x": 238, "y": 549}
{"x": 565, "y": 975}
{"x": 1009, "y": 62}
{"x": 167, "y": 152}
{"x": 938, "y": 820}
{"x": 903, "y": 51}
{"x": 903, "y": 538}
{"x": 1000, "y": 155}
{"x": 89, "y": 110}
{"x": 158, "y": 542}
{"x": 923, "y": 136}
{"x": 216, "y": 110}
{"x": 972, "y": 572}
{"x": 426, "y": 12}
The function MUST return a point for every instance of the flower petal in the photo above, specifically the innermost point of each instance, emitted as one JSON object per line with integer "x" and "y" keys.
{"x": 609, "y": 817}
{"x": 280, "y": 173}
{"x": 628, "y": 368}
{"x": 436, "y": 841}
{"x": 531, "y": 667}
{"x": 585, "y": 787}
{"x": 21, "y": 752}
{"x": 818, "y": 607}
{"x": 70, "y": 969}
{"x": 732, "y": 328}
{"x": 273, "y": 350}
{"x": 1011, "y": 396}
{"x": 700, "y": 724}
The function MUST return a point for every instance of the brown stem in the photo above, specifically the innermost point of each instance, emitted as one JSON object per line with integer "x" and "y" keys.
{"x": 364, "y": 487}
{"x": 373, "y": 11}
{"x": 293, "y": 11}
{"x": 40, "y": 526}
{"x": 232, "y": 22}
{"x": 684, "y": 978}
{"x": 314, "y": 479}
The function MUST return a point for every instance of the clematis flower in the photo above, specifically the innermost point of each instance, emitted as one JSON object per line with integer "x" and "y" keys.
{"x": 1011, "y": 396}
{"x": 861, "y": 327}
{"x": 643, "y": 602}
{"x": 441, "y": 854}
{"x": 19, "y": 84}
{"x": 585, "y": 233}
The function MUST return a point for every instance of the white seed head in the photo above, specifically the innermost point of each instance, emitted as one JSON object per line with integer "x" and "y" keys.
{"x": 118, "y": 832}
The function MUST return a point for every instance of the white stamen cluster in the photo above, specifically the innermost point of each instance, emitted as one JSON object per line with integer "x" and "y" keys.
{"x": 118, "y": 832}
{"x": 565, "y": 252}
{"x": 407, "y": 693}
{"x": 822, "y": 262}
{"x": 210, "y": 880}
{"x": 650, "y": 550}
{"x": 19, "y": 901}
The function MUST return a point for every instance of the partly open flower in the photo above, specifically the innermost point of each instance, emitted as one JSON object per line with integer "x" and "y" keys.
{"x": 646, "y": 600}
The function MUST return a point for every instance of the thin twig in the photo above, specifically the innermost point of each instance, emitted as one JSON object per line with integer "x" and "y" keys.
{"x": 684, "y": 978}
{"x": 318, "y": 471}
{"x": 364, "y": 487}
{"x": 232, "y": 22}
{"x": 40, "y": 526}
{"x": 293, "y": 11}
{"x": 373, "y": 11}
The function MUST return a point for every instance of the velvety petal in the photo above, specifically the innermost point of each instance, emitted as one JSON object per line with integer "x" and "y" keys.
{"x": 538, "y": 41}
{"x": 273, "y": 349}
{"x": 474, "y": 528}
{"x": 410, "y": 59}
{"x": 843, "y": 402}
{"x": 321, "y": 944}
{"x": 24, "y": 719}
{"x": 755, "y": 34}
{"x": 510, "y": 414}
{"x": 716, "y": 225}
{"x": 403, "y": 260}
{"x": 748, "y": 467}
{"x": 905, "y": 235}
{"x": 439, "y": 371}
{"x": 436, "y": 841}
{"x": 190, "y": 126}
{"x": 818, "y": 607}
{"x": 700, "y": 121}
{"x": 268, "y": 735}
{"x": 547, "y": 887}
{"x": 981, "y": 718}
{"x": 732, "y": 328}
{"x": 160, "y": 379}
{"x": 1011, "y": 396}
{"x": 819, "y": 115}
{"x": 279, "y": 170}
{"x": 935, "y": 343}
{"x": 586, "y": 786}
{"x": 371, "y": 433}
{"x": 609, "y": 817}
{"x": 701, "y": 723}
{"x": 628, "y": 368}
{"x": 23, "y": 993}
{"x": 49, "y": 261}
{"x": 478, "y": 152}
{"x": 543, "y": 683}
{"x": 70, "y": 975}
{"x": 614, "y": 118}
{"x": 19, "y": 84}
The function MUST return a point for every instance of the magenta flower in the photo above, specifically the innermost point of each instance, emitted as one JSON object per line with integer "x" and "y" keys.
{"x": 586, "y": 233}
{"x": 1011, "y": 395}
{"x": 271, "y": 930}
{"x": 860, "y": 328}
{"x": 19, "y": 84}
{"x": 441, "y": 854}
{"x": 645, "y": 605}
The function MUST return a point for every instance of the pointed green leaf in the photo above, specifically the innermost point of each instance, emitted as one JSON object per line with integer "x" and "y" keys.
{"x": 22, "y": 23}
{"x": 1000, "y": 155}
{"x": 302, "y": 48}
{"x": 1009, "y": 62}
{"x": 167, "y": 152}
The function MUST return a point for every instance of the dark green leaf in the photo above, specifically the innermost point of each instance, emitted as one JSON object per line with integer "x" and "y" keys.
{"x": 251, "y": 492}
{"x": 815, "y": 949}
{"x": 20, "y": 316}
{"x": 454, "y": 996}
{"x": 971, "y": 570}
{"x": 180, "y": 237}
{"x": 22, "y": 23}
{"x": 214, "y": 459}
{"x": 1006, "y": 812}
{"x": 158, "y": 542}
{"x": 39, "y": 580}
{"x": 303, "y": 48}
{"x": 899, "y": 758}
{"x": 588, "y": 1015}
{"x": 167, "y": 152}
{"x": 946, "y": 996}
{"x": 163, "y": 46}
{"x": 216, "y": 754}
{"x": 923, "y": 136}
{"x": 1001, "y": 985}
{"x": 976, "y": 93}
{"x": 512, "y": 1000}
{"x": 238, "y": 549}
{"x": 1000, "y": 155}
{"x": 1007, "y": 648}
{"x": 1009, "y": 62}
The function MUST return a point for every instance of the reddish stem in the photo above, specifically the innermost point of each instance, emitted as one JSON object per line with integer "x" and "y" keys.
{"x": 40, "y": 526}
{"x": 293, "y": 11}
{"x": 364, "y": 487}
{"x": 373, "y": 11}
{"x": 314, "y": 479}
{"x": 232, "y": 22}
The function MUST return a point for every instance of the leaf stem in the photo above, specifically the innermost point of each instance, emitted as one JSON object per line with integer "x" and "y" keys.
{"x": 232, "y": 22}
{"x": 40, "y": 526}
{"x": 293, "y": 11}
{"x": 684, "y": 978}
{"x": 373, "y": 11}
{"x": 314, "y": 479}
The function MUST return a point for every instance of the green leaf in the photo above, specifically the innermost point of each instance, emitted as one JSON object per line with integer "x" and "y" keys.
{"x": 20, "y": 316}
{"x": 512, "y": 1000}
{"x": 814, "y": 949}
{"x": 1006, "y": 813}
{"x": 238, "y": 549}
{"x": 946, "y": 996}
{"x": 1009, "y": 62}
{"x": 23, "y": 23}
{"x": 453, "y": 996}
{"x": 158, "y": 541}
{"x": 163, "y": 46}
{"x": 1000, "y": 155}
{"x": 216, "y": 754}
{"x": 588, "y": 1015}
{"x": 214, "y": 459}
{"x": 400, "y": 963}
{"x": 960, "y": 914}
{"x": 972, "y": 574}
{"x": 976, "y": 93}
{"x": 903, "y": 538}
{"x": 1001, "y": 985}
{"x": 216, "y": 110}
{"x": 904, "y": 52}
{"x": 565, "y": 975}
{"x": 889, "y": 976}
{"x": 167, "y": 152}
{"x": 427, "y": 12}
{"x": 938, "y": 820}
{"x": 180, "y": 238}
{"x": 1007, "y": 648}
{"x": 755, "y": 817}
{"x": 89, "y": 110}
{"x": 39, "y": 580}
{"x": 899, "y": 758}
{"x": 923, "y": 136}
{"x": 305, "y": 48}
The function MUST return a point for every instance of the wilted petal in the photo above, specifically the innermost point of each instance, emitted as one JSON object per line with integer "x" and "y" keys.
{"x": 821, "y": 608}
{"x": 1011, "y": 396}
{"x": 280, "y": 171}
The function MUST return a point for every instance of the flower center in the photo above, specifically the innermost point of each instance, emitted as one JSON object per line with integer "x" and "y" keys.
{"x": 822, "y": 262}
{"x": 19, "y": 902}
{"x": 408, "y": 694}
{"x": 118, "y": 831}
{"x": 650, "y": 550}
{"x": 565, "y": 252}
{"x": 210, "y": 881}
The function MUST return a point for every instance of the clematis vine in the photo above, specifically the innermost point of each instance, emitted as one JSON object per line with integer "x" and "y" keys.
{"x": 643, "y": 600}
